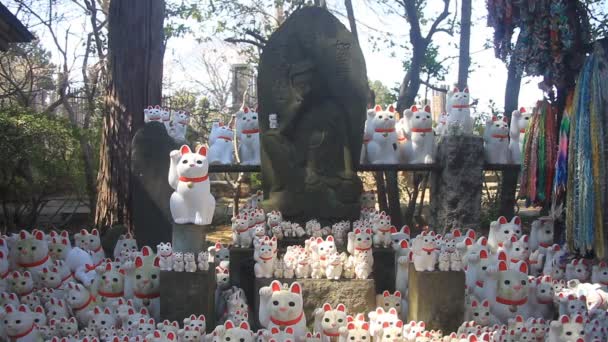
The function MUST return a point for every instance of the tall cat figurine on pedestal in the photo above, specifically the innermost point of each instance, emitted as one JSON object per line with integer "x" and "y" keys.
{"x": 519, "y": 124}
{"x": 382, "y": 148}
{"x": 420, "y": 146}
{"x": 221, "y": 149}
{"x": 281, "y": 307}
{"x": 458, "y": 111}
{"x": 248, "y": 134}
{"x": 496, "y": 141}
{"x": 192, "y": 201}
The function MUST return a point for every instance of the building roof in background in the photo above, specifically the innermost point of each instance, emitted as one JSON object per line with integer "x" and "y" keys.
{"x": 11, "y": 29}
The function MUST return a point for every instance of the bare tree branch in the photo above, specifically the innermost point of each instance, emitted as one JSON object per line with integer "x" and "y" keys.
{"x": 436, "y": 88}
{"x": 244, "y": 41}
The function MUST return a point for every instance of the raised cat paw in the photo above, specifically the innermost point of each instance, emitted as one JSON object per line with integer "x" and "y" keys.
{"x": 265, "y": 291}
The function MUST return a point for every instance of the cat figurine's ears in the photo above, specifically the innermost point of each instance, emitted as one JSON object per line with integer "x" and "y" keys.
{"x": 456, "y": 90}
{"x": 202, "y": 150}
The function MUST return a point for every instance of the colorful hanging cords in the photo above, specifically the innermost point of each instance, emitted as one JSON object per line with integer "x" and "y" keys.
{"x": 586, "y": 201}
{"x": 561, "y": 164}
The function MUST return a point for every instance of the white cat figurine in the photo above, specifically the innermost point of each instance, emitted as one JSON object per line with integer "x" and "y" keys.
{"x": 192, "y": 201}
{"x": 179, "y": 125}
{"x": 382, "y": 148}
{"x": 425, "y": 252}
{"x": 248, "y": 134}
{"x": 281, "y": 307}
{"x": 420, "y": 146}
{"x": 501, "y": 230}
{"x": 221, "y": 148}
{"x": 264, "y": 256}
{"x": 458, "y": 111}
{"x": 190, "y": 262}
{"x": 165, "y": 253}
{"x": 328, "y": 321}
{"x": 19, "y": 324}
{"x": 152, "y": 114}
{"x": 519, "y": 124}
{"x": 496, "y": 141}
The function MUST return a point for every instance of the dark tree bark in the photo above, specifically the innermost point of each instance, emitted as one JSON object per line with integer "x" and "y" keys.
{"x": 135, "y": 64}
{"x": 351, "y": 18}
{"x": 464, "y": 60}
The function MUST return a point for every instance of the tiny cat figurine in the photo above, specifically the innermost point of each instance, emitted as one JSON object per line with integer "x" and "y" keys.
{"x": 425, "y": 252}
{"x": 264, "y": 256}
{"x": 19, "y": 324}
{"x": 33, "y": 251}
{"x": 391, "y": 332}
{"x": 189, "y": 262}
{"x": 517, "y": 249}
{"x": 248, "y": 134}
{"x": 152, "y": 114}
{"x": 334, "y": 268}
{"x": 165, "y": 118}
{"x": 599, "y": 274}
{"x": 109, "y": 285}
{"x": 382, "y": 148}
{"x": 146, "y": 283}
{"x": 179, "y": 125}
{"x": 93, "y": 245}
{"x": 81, "y": 302}
{"x": 303, "y": 268}
{"x": 368, "y": 132}
{"x": 273, "y": 121}
{"x": 363, "y": 265}
{"x": 21, "y": 283}
{"x": 458, "y": 111}
{"x": 520, "y": 120}
{"x": 501, "y": 230}
{"x": 479, "y": 312}
{"x": 577, "y": 269}
{"x": 203, "y": 261}
{"x": 328, "y": 321}
{"x": 165, "y": 253}
{"x": 378, "y": 317}
{"x": 496, "y": 141}
{"x": 241, "y": 231}
{"x": 125, "y": 242}
{"x": 355, "y": 333}
{"x": 420, "y": 145}
{"x": 442, "y": 124}
{"x": 360, "y": 242}
{"x": 381, "y": 227}
{"x": 192, "y": 201}
{"x": 178, "y": 262}
{"x": 221, "y": 148}
{"x": 386, "y": 300}
{"x": 281, "y": 307}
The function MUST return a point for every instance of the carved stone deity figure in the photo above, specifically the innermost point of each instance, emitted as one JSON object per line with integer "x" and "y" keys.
{"x": 312, "y": 86}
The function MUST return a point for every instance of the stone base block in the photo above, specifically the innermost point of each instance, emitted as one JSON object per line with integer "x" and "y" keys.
{"x": 359, "y": 296}
{"x": 241, "y": 271}
{"x": 437, "y": 298}
{"x": 185, "y": 293}
{"x": 189, "y": 238}
{"x": 383, "y": 270}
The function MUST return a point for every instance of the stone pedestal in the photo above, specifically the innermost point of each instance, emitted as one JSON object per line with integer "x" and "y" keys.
{"x": 241, "y": 271}
{"x": 150, "y": 150}
{"x": 437, "y": 298}
{"x": 456, "y": 186}
{"x": 189, "y": 238}
{"x": 359, "y": 296}
{"x": 383, "y": 270}
{"x": 185, "y": 293}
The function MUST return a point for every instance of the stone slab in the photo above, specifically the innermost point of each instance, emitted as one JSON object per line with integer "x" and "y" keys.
{"x": 185, "y": 293}
{"x": 151, "y": 191}
{"x": 437, "y": 298}
{"x": 383, "y": 270}
{"x": 457, "y": 184}
{"x": 359, "y": 296}
{"x": 189, "y": 238}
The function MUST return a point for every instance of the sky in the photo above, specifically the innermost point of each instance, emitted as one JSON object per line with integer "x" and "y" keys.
{"x": 487, "y": 81}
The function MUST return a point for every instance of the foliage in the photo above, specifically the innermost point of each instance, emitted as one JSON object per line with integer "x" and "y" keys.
{"x": 384, "y": 95}
{"x": 40, "y": 157}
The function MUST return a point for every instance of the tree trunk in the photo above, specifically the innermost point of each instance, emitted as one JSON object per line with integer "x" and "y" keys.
{"x": 411, "y": 82}
{"x": 508, "y": 186}
{"x": 351, "y": 18}
{"x": 135, "y": 64}
{"x": 464, "y": 60}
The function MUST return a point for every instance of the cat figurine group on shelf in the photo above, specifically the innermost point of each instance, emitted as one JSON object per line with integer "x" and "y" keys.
{"x": 192, "y": 201}
{"x": 175, "y": 122}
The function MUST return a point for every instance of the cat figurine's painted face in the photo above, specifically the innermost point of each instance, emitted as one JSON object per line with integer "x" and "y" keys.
{"x": 50, "y": 277}
{"x": 68, "y": 327}
{"x": 544, "y": 289}
{"x": 39, "y": 316}
{"x": 387, "y": 300}
{"x": 17, "y": 320}
{"x": 512, "y": 284}
{"x": 504, "y": 229}
{"x": 384, "y": 119}
{"x": 111, "y": 280}
{"x": 152, "y": 113}
{"x": 333, "y": 319}
{"x": 459, "y": 100}
{"x": 480, "y": 312}
{"x": 32, "y": 249}
{"x": 358, "y": 333}
{"x": 286, "y": 305}
{"x": 380, "y": 317}
{"x": 60, "y": 246}
{"x": 147, "y": 275}
{"x": 403, "y": 234}
{"x": 392, "y": 332}
{"x": 577, "y": 269}
{"x": 56, "y": 309}
{"x": 247, "y": 121}
{"x": 102, "y": 319}
{"x": 164, "y": 249}
{"x": 191, "y": 334}
{"x": 221, "y": 131}
{"x": 576, "y": 305}
{"x": 222, "y": 253}
{"x": 165, "y": 115}
{"x": 543, "y": 229}
{"x": 222, "y": 276}
{"x": 125, "y": 243}
{"x": 181, "y": 117}
{"x": 421, "y": 120}
{"x": 146, "y": 326}
{"x": 21, "y": 283}
{"x": 324, "y": 247}
{"x": 234, "y": 333}
{"x": 518, "y": 249}
{"x": 499, "y": 129}
{"x": 570, "y": 329}
{"x": 192, "y": 165}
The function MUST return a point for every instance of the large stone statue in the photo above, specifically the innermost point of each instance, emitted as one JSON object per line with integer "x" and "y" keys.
{"x": 312, "y": 86}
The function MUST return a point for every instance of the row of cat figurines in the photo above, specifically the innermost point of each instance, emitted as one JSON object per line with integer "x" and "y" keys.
{"x": 411, "y": 139}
